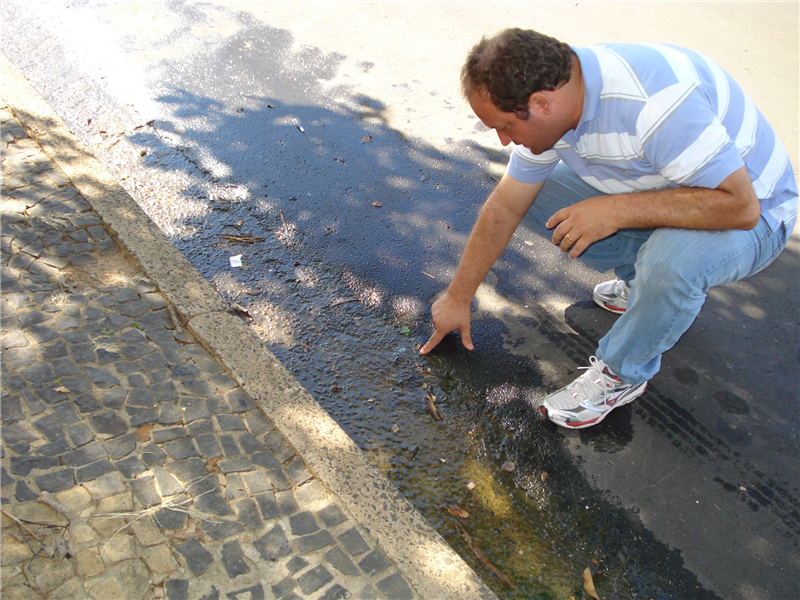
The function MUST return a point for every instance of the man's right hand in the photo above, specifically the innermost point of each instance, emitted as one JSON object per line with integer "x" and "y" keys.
{"x": 449, "y": 315}
{"x": 496, "y": 223}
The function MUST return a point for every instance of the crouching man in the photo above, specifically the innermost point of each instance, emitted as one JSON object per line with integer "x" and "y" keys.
{"x": 644, "y": 159}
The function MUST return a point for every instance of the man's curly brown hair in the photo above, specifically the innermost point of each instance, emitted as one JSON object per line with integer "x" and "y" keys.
{"x": 515, "y": 64}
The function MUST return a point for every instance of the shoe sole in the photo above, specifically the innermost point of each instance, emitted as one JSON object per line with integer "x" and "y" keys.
{"x": 592, "y": 422}
{"x": 614, "y": 309}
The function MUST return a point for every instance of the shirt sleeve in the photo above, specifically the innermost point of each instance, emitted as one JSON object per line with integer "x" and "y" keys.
{"x": 526, "y": 167}
{"x": 684, "y": 139}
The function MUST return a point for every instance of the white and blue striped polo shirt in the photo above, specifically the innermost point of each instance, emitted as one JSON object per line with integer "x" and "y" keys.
{"x": 658, "y": 117}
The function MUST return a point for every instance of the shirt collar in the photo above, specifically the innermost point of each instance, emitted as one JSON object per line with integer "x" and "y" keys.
{"x": 593, "y": 84}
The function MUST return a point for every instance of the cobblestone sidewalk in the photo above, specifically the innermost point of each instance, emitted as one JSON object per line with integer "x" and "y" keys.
{"x": 133, "y": 466}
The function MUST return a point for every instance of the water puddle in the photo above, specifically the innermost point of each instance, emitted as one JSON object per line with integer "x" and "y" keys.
{"x": 356, "y": 351}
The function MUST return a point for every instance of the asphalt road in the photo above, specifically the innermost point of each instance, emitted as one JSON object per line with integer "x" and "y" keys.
{"x": 296, "y": 118}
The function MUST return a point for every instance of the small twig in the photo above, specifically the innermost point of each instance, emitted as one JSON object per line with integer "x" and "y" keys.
{"x": 662, "y": 479}
{"x": 342, "y": 301}
{"x": 171, "y": 505}
{"x": 21, "y": 523}
{"x": 482, "y": 558}
{"x": 241, "y": 238}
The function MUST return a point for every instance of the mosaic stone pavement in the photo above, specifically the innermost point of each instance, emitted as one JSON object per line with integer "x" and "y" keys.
{"x": 133, "y": 466}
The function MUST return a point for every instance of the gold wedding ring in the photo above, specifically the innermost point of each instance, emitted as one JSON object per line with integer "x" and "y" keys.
{"x": 569, "y": 237}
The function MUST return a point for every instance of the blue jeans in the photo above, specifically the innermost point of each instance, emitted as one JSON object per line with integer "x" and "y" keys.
{"x": 669, "y": 272}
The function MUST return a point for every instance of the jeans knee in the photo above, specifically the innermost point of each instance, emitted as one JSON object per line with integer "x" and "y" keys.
{"x": 661, "y": 280}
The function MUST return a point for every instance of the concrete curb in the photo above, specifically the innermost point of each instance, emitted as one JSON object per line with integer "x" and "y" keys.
{"x": 420, "y": 553}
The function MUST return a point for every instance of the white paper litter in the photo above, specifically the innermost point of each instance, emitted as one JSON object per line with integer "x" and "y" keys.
{"x": 236, "y": 261}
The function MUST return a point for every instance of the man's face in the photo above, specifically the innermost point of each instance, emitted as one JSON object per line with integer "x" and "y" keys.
{"x": 537, "y": 133}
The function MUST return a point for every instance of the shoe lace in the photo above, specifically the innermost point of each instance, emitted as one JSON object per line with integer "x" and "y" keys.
{"x": 594, "y": 384}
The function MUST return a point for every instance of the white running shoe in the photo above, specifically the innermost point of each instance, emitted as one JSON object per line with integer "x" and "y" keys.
{"x": 587, "y": 400}
{"x": 612, "y": 295}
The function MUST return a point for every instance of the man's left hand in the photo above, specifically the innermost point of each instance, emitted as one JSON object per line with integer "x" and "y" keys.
{"x": 583, "y": 223}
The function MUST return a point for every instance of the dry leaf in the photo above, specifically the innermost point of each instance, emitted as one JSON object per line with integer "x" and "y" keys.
{"x": 376, "y": 204}
{"x": 366, "y": 138}
{"x": 241, "y": 309}
{"x": 143, "y": 433}
{"x": 588, "y": 583}
{"x": 457, "y": 512}
{"x": 61, "y": 389}
{"x": 429, "y": 406}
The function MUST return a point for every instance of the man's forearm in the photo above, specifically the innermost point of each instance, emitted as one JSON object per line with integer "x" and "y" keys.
{"x": 732, "y": 205}
{"x": 498, "y": 219}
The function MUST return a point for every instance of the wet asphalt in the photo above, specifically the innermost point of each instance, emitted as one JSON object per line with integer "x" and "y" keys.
{"x": 691, "y": 492}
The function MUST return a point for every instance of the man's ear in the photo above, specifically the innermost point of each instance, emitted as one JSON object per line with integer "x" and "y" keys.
{"x": 539, "y": 104}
